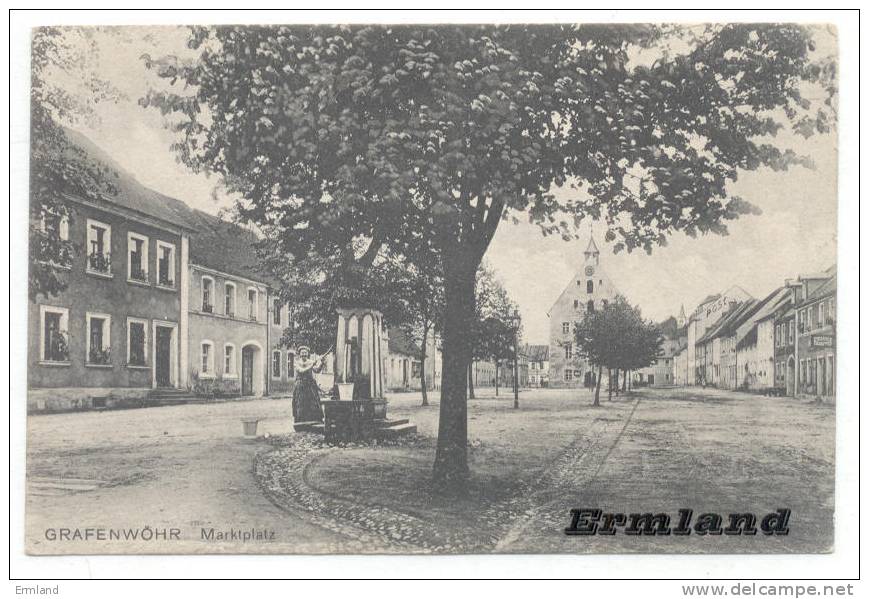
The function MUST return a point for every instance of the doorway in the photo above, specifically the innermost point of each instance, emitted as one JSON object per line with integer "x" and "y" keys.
{"x": 789, "y": 380}
{"x": 163, "y": 356}
{"x": 247, "y": 371}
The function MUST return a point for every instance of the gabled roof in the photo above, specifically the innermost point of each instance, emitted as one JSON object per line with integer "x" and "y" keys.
{"x": 708, "y": 299}
{"x": 721, "y": 326}
{"x": 537, "y": 353}
{"x": 592, "y": 247}
{"x": 226, "y": 247}
{"x": 828, "y": 287}
{"x": 130, "y": 194}
{"x": 749, "y": 339}
{"x": 215, "y": 243}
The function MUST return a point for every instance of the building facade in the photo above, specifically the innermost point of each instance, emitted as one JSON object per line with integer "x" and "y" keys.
{"x": 538, "y": 365}
{"x": 589, "y": 289}
{"x": 118, "y": 329}
{"x": 162, "y": 299}
{"x": 816, "y": 337}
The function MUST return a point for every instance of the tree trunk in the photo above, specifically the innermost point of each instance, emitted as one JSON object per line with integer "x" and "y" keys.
{"x": 471, "y": 381}
{"x": 618, "y": 373}
{"x": 625, "y": 380}
{"x": 597, "y": 386}
{"x": 609, "y": 384}
{"x": 496, "y": 378}
{"x": 450, "y": 472}
{"x": 422, "y": 357}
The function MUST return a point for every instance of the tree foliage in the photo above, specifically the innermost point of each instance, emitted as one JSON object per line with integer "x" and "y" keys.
{"x": 422, "y": 139}
{"x": 617, "y": 337}
{"x": 59, "y": 168}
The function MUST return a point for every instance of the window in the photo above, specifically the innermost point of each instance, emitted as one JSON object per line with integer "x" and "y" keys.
{"x": 568, "y": 351}
{"x": 276, "y": 315}
{"x": 823, "y": 317}
{"x": 207, "y": 295}
{"x": 777, "y": 335}
{"x": 590, "y": 306}
{"x": 575, "y": 304}
{"x": 99, "y": 245}
{"x": 291, "y": 364}
{"x": 229, "y": 360}
{"x": 276, "y": 364}
{"x": 55, "y": 226}
{"x": 207, "y": 359}
{"x": 137, "y": 257}
{"x": 252, "y": 303}
{"x": 165, "y": 264}
{"x": 589, "y": 286}
{"x": 54, "y": 339}
{"x": 137, "y": 343}
{"x": 99, "y": 346}
{"x": 229, "y": 299}
{"x": 568, "y": 375}
{"x": 565, "y": 327}
{"x": 790, "y": 332}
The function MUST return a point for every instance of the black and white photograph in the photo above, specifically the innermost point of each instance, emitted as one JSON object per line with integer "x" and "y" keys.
{"x": 434, "y": 288}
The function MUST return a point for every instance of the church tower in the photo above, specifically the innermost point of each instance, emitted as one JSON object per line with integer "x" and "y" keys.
{"x": 592, "y": 254}
{"x": 588, "y": 290}
{"x": 681, "y": 320}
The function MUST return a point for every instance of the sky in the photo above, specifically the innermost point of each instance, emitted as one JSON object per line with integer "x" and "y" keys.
{"x": 796, "y": 232}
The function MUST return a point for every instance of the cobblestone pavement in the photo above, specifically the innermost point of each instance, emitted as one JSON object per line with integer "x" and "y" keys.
{"x": 282, "y": 475}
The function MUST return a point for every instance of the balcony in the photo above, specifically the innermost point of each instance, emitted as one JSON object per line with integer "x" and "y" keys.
{"x": 164, "y": 280}
{"x": 138, "y": 274}
{"x": 99, "y": 262}
{"x": 58, "y": 347}
{"x": 100, "y": 356}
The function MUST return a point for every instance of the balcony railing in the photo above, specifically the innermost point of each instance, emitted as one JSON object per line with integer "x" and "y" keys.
{"x": 58, "y": 347}
{"x": 99, "y": 355}
{"x": 138, "y": 273}
{"x": 99, "y": 262}
{"x": 165, "y": 280}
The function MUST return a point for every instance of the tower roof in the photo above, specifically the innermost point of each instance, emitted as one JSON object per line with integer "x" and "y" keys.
{"x": 592, "y": 247}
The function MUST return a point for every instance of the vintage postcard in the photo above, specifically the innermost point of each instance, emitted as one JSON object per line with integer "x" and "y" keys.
{"x": 432, "y": 289}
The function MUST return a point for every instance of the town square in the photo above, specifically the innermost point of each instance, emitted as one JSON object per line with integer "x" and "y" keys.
{"x": 432, "y": 289}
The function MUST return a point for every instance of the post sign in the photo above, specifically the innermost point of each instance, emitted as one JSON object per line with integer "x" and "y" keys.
{"x": 822, "y": 341}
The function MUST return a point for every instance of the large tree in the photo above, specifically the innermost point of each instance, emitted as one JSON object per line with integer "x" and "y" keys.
{"x": 428, "y": 137}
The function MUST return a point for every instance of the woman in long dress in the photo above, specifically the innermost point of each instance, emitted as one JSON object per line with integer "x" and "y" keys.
{"x": 306, "y": 394}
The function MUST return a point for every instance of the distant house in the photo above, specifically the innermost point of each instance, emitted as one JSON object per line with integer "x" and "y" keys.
{"x": 538, "y": 365}
{"x": 661, "y": 373}
{"x": 403, "y": 366}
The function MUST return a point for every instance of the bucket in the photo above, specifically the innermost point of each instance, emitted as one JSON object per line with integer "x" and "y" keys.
{"x": 345, "y": 391}
{"x": 250, "y": 425}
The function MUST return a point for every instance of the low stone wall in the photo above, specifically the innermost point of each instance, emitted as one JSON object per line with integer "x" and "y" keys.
{"x": 70, "y": 399}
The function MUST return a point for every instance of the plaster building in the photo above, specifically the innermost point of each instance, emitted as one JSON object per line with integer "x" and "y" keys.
{"x": 403, "y": 366}
{"x": 784, "y": 341}
{"x": 118, "y": 330}
{"x": 707, "y": 314}
{"x": 662, "y": 372}
{"x": 588, "y": 289}
{"x": 816, "y": 336}
{"x": 538, "y": 365}
{"x": 165, "y": 301}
